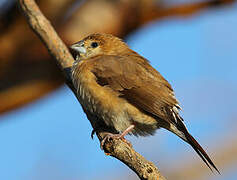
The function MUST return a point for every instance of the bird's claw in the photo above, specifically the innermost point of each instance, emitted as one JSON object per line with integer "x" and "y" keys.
{"x": 110, "y": 136}
{"x": 92, "y": 133}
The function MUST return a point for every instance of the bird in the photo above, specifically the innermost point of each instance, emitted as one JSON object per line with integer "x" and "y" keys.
{"x": 121, "y": 93}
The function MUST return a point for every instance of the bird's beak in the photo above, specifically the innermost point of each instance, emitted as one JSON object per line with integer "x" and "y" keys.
{"x": 79, "y": 48}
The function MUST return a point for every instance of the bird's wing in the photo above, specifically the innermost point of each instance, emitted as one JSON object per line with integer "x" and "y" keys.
{"x": 137, "y": 82}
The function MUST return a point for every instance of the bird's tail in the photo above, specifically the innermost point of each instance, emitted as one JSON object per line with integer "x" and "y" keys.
{"x": 184, "y": 134}
{"x": 200, "y": 151}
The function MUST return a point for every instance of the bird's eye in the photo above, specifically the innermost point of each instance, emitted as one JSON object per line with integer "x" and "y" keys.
{"x": 94, "y": 44}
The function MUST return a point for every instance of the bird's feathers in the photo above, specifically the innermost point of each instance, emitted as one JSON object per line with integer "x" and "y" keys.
{"x": 137, "y": 82}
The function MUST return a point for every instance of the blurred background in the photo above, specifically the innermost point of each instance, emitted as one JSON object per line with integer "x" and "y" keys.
{"x": 44, "y": 133}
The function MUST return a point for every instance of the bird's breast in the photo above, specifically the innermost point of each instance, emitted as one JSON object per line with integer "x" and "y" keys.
{"x": 86, "y": 97}
{"x": 100, "y": 100}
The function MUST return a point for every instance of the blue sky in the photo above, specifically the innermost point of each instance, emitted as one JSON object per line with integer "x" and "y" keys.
{"x": 50, "y": 138}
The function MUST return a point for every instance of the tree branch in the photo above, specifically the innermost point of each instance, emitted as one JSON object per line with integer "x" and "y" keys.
{"x": 116, "y": 148}
{"x": 42, "y": 27}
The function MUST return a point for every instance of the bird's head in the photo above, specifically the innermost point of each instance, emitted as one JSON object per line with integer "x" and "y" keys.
{"x": 99, "y": 44}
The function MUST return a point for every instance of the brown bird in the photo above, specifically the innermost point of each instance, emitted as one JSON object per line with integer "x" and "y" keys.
{"x": 121, "y": 93}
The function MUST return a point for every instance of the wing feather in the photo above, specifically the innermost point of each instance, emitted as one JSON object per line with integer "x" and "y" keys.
{"x": 137, "y": 82}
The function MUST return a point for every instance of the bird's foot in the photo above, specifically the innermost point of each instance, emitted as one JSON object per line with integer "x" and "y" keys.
{"x": 110, "y": 136}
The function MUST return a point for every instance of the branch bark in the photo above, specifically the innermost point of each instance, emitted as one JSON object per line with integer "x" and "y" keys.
{"x": 116, "y": 148}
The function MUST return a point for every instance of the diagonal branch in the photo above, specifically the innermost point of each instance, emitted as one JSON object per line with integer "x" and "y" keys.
{"x": 117, "y": 148}
{"x": 42, "y": 27}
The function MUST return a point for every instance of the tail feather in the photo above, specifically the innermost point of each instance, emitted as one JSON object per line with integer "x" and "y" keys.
{"x": 200, "y": 151}
{"x": 180, "y": 130}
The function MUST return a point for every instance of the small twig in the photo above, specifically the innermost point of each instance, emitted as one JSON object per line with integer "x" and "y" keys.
{"x": 116, "y": 148}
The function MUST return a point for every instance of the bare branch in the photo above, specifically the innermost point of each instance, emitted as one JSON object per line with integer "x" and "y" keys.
{"x": 124, "y": 152}
{"x": 42, "y": 27}
{"x": 116, "y": 148}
